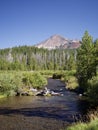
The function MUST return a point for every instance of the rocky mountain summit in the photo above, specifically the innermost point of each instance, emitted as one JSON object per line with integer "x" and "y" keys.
{"x": 57, "y": 41}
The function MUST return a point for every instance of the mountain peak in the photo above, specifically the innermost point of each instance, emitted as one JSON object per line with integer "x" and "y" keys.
{"x": 57, "y": 41}
{"x": 57, "y": 36}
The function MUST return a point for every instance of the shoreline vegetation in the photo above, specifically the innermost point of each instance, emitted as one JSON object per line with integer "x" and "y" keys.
{"x": 92, "y": 124}
{"x": 2, "y": 96}
{"x": 14, "y": 82}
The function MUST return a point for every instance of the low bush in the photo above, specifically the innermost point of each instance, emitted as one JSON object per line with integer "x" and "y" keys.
{"x": 92, "y": 90}
{"x": 71, "y": 82}
{"x": 37, "y": 80}
{"x": 10, "y": 82}
{"x": 34, "y": 79}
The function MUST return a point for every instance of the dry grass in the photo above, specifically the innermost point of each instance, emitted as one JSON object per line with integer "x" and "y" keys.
{"x": 92, "y": 125}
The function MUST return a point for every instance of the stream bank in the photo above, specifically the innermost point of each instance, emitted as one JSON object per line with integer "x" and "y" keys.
{"x": 41, "y": 112}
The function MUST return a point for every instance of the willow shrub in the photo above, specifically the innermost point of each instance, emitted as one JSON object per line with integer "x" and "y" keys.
{"x": 10, "y": 82}
{"x": 34, "y": 79}
{"x": 71, "y": 82}
{"x": 92, "y": 89}
{"x": 13, "y": 82}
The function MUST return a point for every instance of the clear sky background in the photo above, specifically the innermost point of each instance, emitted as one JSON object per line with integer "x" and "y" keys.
{"x": 27, "y": 22}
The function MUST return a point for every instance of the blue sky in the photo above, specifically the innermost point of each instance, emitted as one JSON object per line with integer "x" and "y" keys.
{"x": 27, "y": 22}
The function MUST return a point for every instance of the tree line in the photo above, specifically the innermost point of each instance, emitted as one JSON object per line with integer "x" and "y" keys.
{"x": 33, "y": 58}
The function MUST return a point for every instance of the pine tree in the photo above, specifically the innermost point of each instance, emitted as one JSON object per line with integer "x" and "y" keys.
{"x": 96, "y": 53}
{"x": 85, "y": 61}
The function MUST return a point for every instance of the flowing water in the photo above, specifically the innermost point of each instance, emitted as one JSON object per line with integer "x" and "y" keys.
{"x": 41, "y": 113}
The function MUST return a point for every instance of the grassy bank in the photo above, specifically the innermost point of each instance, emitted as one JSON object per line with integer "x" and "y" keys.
{"x": 13, "y": 83}
{"x": 2, "y": 96}
{"x": 93, "y": 125}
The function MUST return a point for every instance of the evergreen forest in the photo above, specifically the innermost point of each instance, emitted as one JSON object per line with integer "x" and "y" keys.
{"x": 33, "y": 58}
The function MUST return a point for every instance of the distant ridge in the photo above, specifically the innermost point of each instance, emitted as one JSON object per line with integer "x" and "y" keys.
{"x": 57, "y": 41}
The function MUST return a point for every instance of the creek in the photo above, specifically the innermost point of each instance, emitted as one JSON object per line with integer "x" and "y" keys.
{"x": 41, "y": 112}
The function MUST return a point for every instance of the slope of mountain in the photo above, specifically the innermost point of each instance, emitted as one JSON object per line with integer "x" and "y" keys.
{"x": 57, "y": 41}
